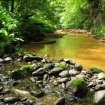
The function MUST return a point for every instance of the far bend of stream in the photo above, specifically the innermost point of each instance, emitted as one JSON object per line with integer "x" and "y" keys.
{"x": 80, "y": 48}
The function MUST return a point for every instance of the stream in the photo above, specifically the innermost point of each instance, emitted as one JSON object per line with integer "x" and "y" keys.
{"x": 80, "y": 48}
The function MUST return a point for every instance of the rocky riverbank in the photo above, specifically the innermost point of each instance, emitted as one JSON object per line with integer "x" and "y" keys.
{"x": 62, "y": 82}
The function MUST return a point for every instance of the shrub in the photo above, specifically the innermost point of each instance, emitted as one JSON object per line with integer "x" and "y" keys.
{"x": 10, "y": 36}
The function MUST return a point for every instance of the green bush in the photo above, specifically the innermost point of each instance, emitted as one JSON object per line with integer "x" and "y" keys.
{"x": 10, "y": 37}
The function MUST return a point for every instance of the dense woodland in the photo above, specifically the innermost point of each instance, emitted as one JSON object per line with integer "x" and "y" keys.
{"x": 23, "y": 20}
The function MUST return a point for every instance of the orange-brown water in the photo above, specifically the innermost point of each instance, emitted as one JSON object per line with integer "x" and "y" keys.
{"x": 79, "y": 48}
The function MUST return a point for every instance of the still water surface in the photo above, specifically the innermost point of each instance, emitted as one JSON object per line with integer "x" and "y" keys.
{"x": 81, "y": 49}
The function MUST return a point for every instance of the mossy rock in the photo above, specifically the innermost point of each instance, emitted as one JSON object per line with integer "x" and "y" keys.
{"x": 27, "y": 69}
{"x": 62, "y": 65}
{"x": 95, "y": 69}
{"x": 24, "y": 71}
{"x": 16, "y": 74}
{"x": 77, "y": 86}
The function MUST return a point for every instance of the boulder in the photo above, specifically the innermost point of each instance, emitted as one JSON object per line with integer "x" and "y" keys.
{"x": 55, "y": 70}
{"x": 99, "y": 97}
{"x": 10, "y": 100}
{"x": 61, "y": 64}
{"x": 7, "y": 59}
{"x": 60, "y": 101}
{"x": 77, "y": 86}
{"x": 62, "y": 80}
{"x": 24, "y": 71}
{"x": 32, "y": 58}
{"x": 64, "y": 73}
{"x": 39, "y": 72}
{"x": 37, "y": 94}
{"x": 78, "y": 67}
{"x": 22, "y": 93}
{"x": 80, "y": 76}
{"x": 48, "y": 66}
{"x": 99, "y": 87}
{"x": 101, "y": 75}
{"x": 73, "y": 72}
{"x": 1, "y": 60}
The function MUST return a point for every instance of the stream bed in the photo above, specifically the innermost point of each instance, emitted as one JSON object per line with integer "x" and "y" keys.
{"x": 82, "y": 49}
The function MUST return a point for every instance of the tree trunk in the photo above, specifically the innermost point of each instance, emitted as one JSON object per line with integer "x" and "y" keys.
{"x": 12, "y": 5}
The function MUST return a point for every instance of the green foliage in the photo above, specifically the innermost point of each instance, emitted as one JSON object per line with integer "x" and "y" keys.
{"x": 95, "y": 69}
{"x": 74, "y": 12}
{"x": 99, "y": 31}
{"x": 9, "y": 32}
{"x": 33, "y": 28}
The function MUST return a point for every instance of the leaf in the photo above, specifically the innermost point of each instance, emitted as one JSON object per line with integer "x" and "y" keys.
{"x": 4, "y": 32}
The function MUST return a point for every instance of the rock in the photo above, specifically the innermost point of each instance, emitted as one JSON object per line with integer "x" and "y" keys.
{"x": 7, "y": 91}
{"x": 61, "y": 64}
{"x": 55, "y": 71}
{"x": 10, "y": 99}
{"x": 101, "y": 75}
{"x": 99, "y": 87}
{"x": 7, "y": 59}
{"x": 38, "y": 66}
{"x": 64, "y": 74}
{"x": 32, "y": 58}
{"x": 45, "y": 77}
{"x": 80, "y": 76}
{"x": 67, "y": 61}
{"x": 24, "y": 71}
{"x": 99, "y": 97}
{"x": 16, "y": 74}
{"x": 60, "y": 101}
{"x": 62, "y": 80}
{"x": 48, "y": 66}
{"x": 39, "y": 72}
{"x": 1, "y": 60}
{"x": 15, "y": 83}
{"x": 73, "y": 72}
{"x": 90, "y": 84}
{"x": 37, "y": 94}
{"x": 22, "y": 93}
{"x": 77, "y": 86}
{"x": 78, "y": 67}
{"x": 1, "y": 89}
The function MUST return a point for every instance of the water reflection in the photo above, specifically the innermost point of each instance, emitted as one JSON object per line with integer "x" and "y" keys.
{"x": 79, "y": 48}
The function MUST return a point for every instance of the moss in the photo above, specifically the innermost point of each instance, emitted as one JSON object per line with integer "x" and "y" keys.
{"x": 79, "y": 84}
{"x": 24, "y": 71}
{"x": 95, "y": 69}
{"x": 27, "y": 69}
{"x": 63, "y": 66}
